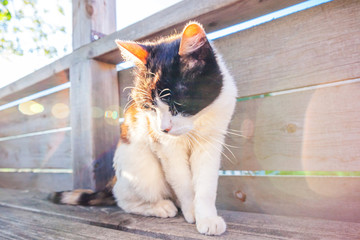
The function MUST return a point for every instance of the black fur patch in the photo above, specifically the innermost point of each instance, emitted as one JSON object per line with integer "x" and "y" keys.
{"x": 55, "y": 197}
{"x": 194, "y": 80}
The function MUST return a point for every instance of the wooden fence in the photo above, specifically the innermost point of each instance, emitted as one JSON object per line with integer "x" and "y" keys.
{"x": 299, "y": 84}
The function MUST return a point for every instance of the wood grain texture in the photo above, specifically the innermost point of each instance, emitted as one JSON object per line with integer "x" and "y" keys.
{"x": 313, "y": 130}
{"x": 17, "y": 224}
{"x": 213, "y": 14}
{"x": 88, "y": 16}
{"x": 51, "y": 150}
{"x": 241, "y": 225}
{"x": 333, "y": 198}
{"x": 20, "y": 120}
{"x": 319, "y": 45}
{"x": 37, "y": 181}
{"x": 47, "y": 77}
{"x": 94, "y": 121}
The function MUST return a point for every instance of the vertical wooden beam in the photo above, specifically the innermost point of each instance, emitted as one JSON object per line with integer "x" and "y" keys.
{"x": 92, "y": 16}
{"x": 94, "y": 98}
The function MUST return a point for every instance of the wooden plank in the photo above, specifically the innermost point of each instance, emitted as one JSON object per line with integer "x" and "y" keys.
{"x": 319, "y": 45}
{"x": 334, "y": 198}
{"x": 50, "y": 150}
{"x": 52, "y": 112}
{"x": 17, "y": 224}
{"x": 94, "y": 98}
{"x": 213, "y": 14}
{"x": 210, "y": 13}
{"x": 313, "y": 130}
{"x": 47, "y": 77}
{"x": 241, "y": 225}
{"x": 40, "y": 181}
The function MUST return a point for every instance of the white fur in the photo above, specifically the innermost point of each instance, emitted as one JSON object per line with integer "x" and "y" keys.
{"x": 187, "y": 159}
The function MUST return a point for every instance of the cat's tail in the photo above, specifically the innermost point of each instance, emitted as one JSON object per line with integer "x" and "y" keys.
{"x": 85, "y": 197}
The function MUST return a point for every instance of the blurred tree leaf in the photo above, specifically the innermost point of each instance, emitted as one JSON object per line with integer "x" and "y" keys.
{"x": 17, "y": 22}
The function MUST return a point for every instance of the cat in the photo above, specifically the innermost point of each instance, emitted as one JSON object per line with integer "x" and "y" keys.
{"x": 169, "y": 152}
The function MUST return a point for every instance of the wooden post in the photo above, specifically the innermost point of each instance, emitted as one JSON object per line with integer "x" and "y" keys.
{"x": 94, "y": 98}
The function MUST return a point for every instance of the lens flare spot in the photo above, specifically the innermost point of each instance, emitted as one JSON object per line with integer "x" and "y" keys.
{"x": 112, "y": 115}
{"x": 60, "y": 110}
{"x": 30, "y": 108}
{"x": 108, "y": 114}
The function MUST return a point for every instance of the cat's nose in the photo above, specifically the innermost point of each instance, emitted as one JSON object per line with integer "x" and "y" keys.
{"x": 166, "y": 130}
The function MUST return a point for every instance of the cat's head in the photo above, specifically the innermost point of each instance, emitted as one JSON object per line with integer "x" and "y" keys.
{"x": 176, "y": 78}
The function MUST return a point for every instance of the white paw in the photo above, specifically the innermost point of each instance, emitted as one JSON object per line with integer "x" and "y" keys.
{"x": 165, "y": 209}
{"x": 189, "y": 214}
{"x": 211, "y": 225}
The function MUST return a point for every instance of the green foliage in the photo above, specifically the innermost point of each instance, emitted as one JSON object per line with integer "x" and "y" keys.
{"x": 23, "y": 29}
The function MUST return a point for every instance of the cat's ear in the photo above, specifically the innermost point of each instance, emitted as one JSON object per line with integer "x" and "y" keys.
{"x": 193, "y": 37}
{"x": 133, "y": 49}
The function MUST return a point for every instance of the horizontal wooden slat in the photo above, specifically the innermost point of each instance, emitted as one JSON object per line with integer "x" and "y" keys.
{"x": 23, "y": 119}
{"x": 240, "y": 225}
{"x": 313, "y": 130}
{"x": 319, "y": 45}
{"x": 213, "y": 14}
{"x": 17, "y": 223}
{"x": 335, "y": 198}
{"x": 47, "y": 77}
{"x": 43, "y": 151}
{"x": 46, "y": 182}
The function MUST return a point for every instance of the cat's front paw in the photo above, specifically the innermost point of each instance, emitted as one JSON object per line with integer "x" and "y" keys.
{"x": 211, "y": 225}
{"x": 165, "y": 209}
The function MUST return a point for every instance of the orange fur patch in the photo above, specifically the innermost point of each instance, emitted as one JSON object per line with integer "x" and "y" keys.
{"x": 152, "y": 134}
{"x": 135, "y": 49}
{"x": 130, "y": 120}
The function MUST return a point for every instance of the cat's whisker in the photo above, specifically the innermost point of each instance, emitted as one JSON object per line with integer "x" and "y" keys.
{"x": 144, "y": 95}
{"x": 230, "y": 129}
{"x": 177, "y": 103}
{"x": 132, "y": 102}
{"x": 218, "y": 148}
{"x": 167, "y": 94}
{"x": 225, "y": 146}
{"x": 166, "y": 89}
{"x": 137, "y": 89}
{"x": 194, "y": 138}
{"x": 197, "y": 134}
{"x": 239, "y": 135}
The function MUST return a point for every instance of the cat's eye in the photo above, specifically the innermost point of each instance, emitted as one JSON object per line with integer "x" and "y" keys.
{"x": 146, "y": 106}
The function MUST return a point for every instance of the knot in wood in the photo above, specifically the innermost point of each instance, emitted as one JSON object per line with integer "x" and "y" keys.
{"x": 240, "y": 195}
{"x": 89, "y": 9}
{"x": 291, "y": 128}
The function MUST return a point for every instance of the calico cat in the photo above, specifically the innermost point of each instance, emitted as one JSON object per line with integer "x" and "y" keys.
{"x": 171, "y": 141}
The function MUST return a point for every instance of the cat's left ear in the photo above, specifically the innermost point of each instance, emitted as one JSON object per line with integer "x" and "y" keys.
{"x": 134, "y": 49}
{"x": 193, "y": 37}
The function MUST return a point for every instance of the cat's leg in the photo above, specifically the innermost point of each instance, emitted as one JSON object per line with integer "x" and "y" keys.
{"x": 141, "y": 187}
{"x": 177, "y": 171}
{"x": 131, "y": 202}
{"x": 205, "y": 163}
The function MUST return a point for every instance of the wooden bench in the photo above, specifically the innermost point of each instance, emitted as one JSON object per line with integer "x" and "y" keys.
{"x": 295, "y": 173}
{"x": 29, "y": 215}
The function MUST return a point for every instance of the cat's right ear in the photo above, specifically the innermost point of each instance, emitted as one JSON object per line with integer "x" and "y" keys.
{"x": 133, "y": 51}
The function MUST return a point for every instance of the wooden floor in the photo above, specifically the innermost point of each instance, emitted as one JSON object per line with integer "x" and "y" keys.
{"x": 28, "y": 215}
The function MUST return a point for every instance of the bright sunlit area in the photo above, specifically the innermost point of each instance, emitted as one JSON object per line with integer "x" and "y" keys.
{"x": 34, "y": 33}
